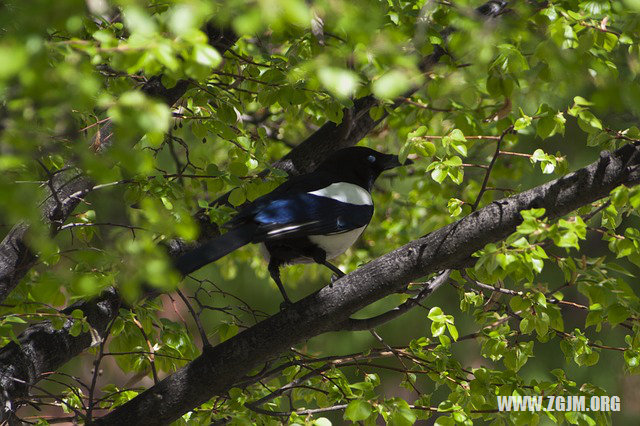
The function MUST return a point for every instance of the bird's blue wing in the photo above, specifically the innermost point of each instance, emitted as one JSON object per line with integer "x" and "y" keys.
{"x": 305, "y": 214}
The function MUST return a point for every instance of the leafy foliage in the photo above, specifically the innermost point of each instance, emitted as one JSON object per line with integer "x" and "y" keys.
{"x": 536, "y": 92}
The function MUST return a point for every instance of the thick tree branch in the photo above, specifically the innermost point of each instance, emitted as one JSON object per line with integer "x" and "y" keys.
{"x": 218, "y": 368}
{"x": 43, "y": 348}
{"x": 357, "y": 122}
{"x": 303, "y": 158}
{"x": 220, "y": 38}
{"x": 15, "y": 257}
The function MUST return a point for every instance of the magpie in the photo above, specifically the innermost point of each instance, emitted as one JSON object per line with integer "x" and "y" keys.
{"x": 313, "y": 217}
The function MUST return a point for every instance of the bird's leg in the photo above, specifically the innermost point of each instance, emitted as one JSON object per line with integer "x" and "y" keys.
{"x": 274, "y": 271}
{"x": 321, "y": 258}
{"x": 338, "y": 273}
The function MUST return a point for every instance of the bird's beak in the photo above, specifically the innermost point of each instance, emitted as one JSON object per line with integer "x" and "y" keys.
{"x": 392, "y": 161}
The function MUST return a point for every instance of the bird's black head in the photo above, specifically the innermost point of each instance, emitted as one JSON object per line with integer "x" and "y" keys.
{"x": 359, "y": 165}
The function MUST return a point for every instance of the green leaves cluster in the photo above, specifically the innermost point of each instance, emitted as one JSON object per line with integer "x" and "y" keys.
{"x": 441, "y": 322}
{"x": 555, "y": 82}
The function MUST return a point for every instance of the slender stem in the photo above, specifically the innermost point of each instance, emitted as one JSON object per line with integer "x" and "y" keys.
{"x": 203, "y": 334}
{"x": 515, "y": 154}
{"x": 151, "y": 356}
{"x": 491, "y": 164}
{"x": 96, "y": 369}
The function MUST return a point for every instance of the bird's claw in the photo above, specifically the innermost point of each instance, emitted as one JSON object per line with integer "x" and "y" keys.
{"x": 285, "y": 304}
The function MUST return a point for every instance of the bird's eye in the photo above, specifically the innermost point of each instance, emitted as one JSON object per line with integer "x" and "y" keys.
{"x": 371, "y": 159}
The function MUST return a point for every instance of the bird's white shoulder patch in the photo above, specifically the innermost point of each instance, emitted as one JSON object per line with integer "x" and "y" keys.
{"x": 345, "y": 193}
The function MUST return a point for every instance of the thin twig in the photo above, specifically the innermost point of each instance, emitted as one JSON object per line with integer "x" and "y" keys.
{"x": 379, "y": 339}
{"x": 196, "y": 319}
{"x": 151, "y": 356}
{"x": 96, "y": 369}
{"x": 491, "y": 164}
{"x": 82, "y": 193}
{"x": 515, "y": 154}
{"x": 367, "y": 324}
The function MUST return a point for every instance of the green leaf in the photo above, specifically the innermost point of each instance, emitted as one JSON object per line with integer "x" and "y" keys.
{"x": 376, "y": 112}
{"x": 579, "y": 100}
{"x": 419, "y": 132}
{"x": 76, "y": 329}
{"x": 167, "y": 203}
{"x": 238, "y": 168}
{"x": 444, "y": 421}
{"x": 438, "y": 328}
{"x": 610, "y": 41}
{"x": 518, "y": 304}
{"x": 16, "y": 320}
{"x": 538, "y": 155}
{"x": 457, "y": 135}
{"x": 617, "y": 314}
{"x": 453, "y": 331}
{"x": 340, "y": 82}
{"x": 227, "y": 114}
{"x": 390, "y": 85}
{"x": 402, "y": 415}
{"x": 522, "y": 123}
{"x": 237, "y": 197}
{"x": 545, "y": 127}
{"x": 138, "y": 21}
{"x": 166, "y": 56}
{"x": 322, "y": 421}
{"x": 455, "y": 207}
{"x": 439, "y": 174}
{"x": 598, "y": 138}
{"x": 358, "y": 410}
{"x": 206, "y": 55}
{"x": 460, "y": 147}
{"x": 227, "y": 331}
{"x": 589, "y": 122}
{"x": 425, "y": 148}
{"x": 435, "y": 314}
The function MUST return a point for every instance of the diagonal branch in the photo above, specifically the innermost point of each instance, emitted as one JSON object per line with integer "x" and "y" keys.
{"x": 434, "y": 284}
{"x": 357, "y": 122}
{"x": 450, "y": 247}
{"x": 485, "y": 181}
{"x": 41, "y": 347}
{"x": 15, "y": 257}
{"x": 304, "y": 157}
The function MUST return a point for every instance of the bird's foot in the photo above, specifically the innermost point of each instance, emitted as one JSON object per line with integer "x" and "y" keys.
{"x": 285, "y": 304}
{"x": 334, "y": 278}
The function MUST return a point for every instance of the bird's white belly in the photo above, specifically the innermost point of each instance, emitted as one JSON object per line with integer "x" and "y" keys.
{"x": 336, "y": 244}
{"x": 333, "y": 244}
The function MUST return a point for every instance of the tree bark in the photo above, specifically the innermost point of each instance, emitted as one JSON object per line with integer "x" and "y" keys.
{"x": 34, "y": 356}
{"x": 15, "y": 257}
{"x": 42, "y": 348}
{"x": 218, "y": 368}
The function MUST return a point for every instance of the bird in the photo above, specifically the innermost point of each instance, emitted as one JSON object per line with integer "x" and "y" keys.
{"x": 312, "y": 217}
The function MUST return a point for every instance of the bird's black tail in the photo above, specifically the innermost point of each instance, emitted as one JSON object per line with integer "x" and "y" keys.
{"x": 215, "y": 249}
